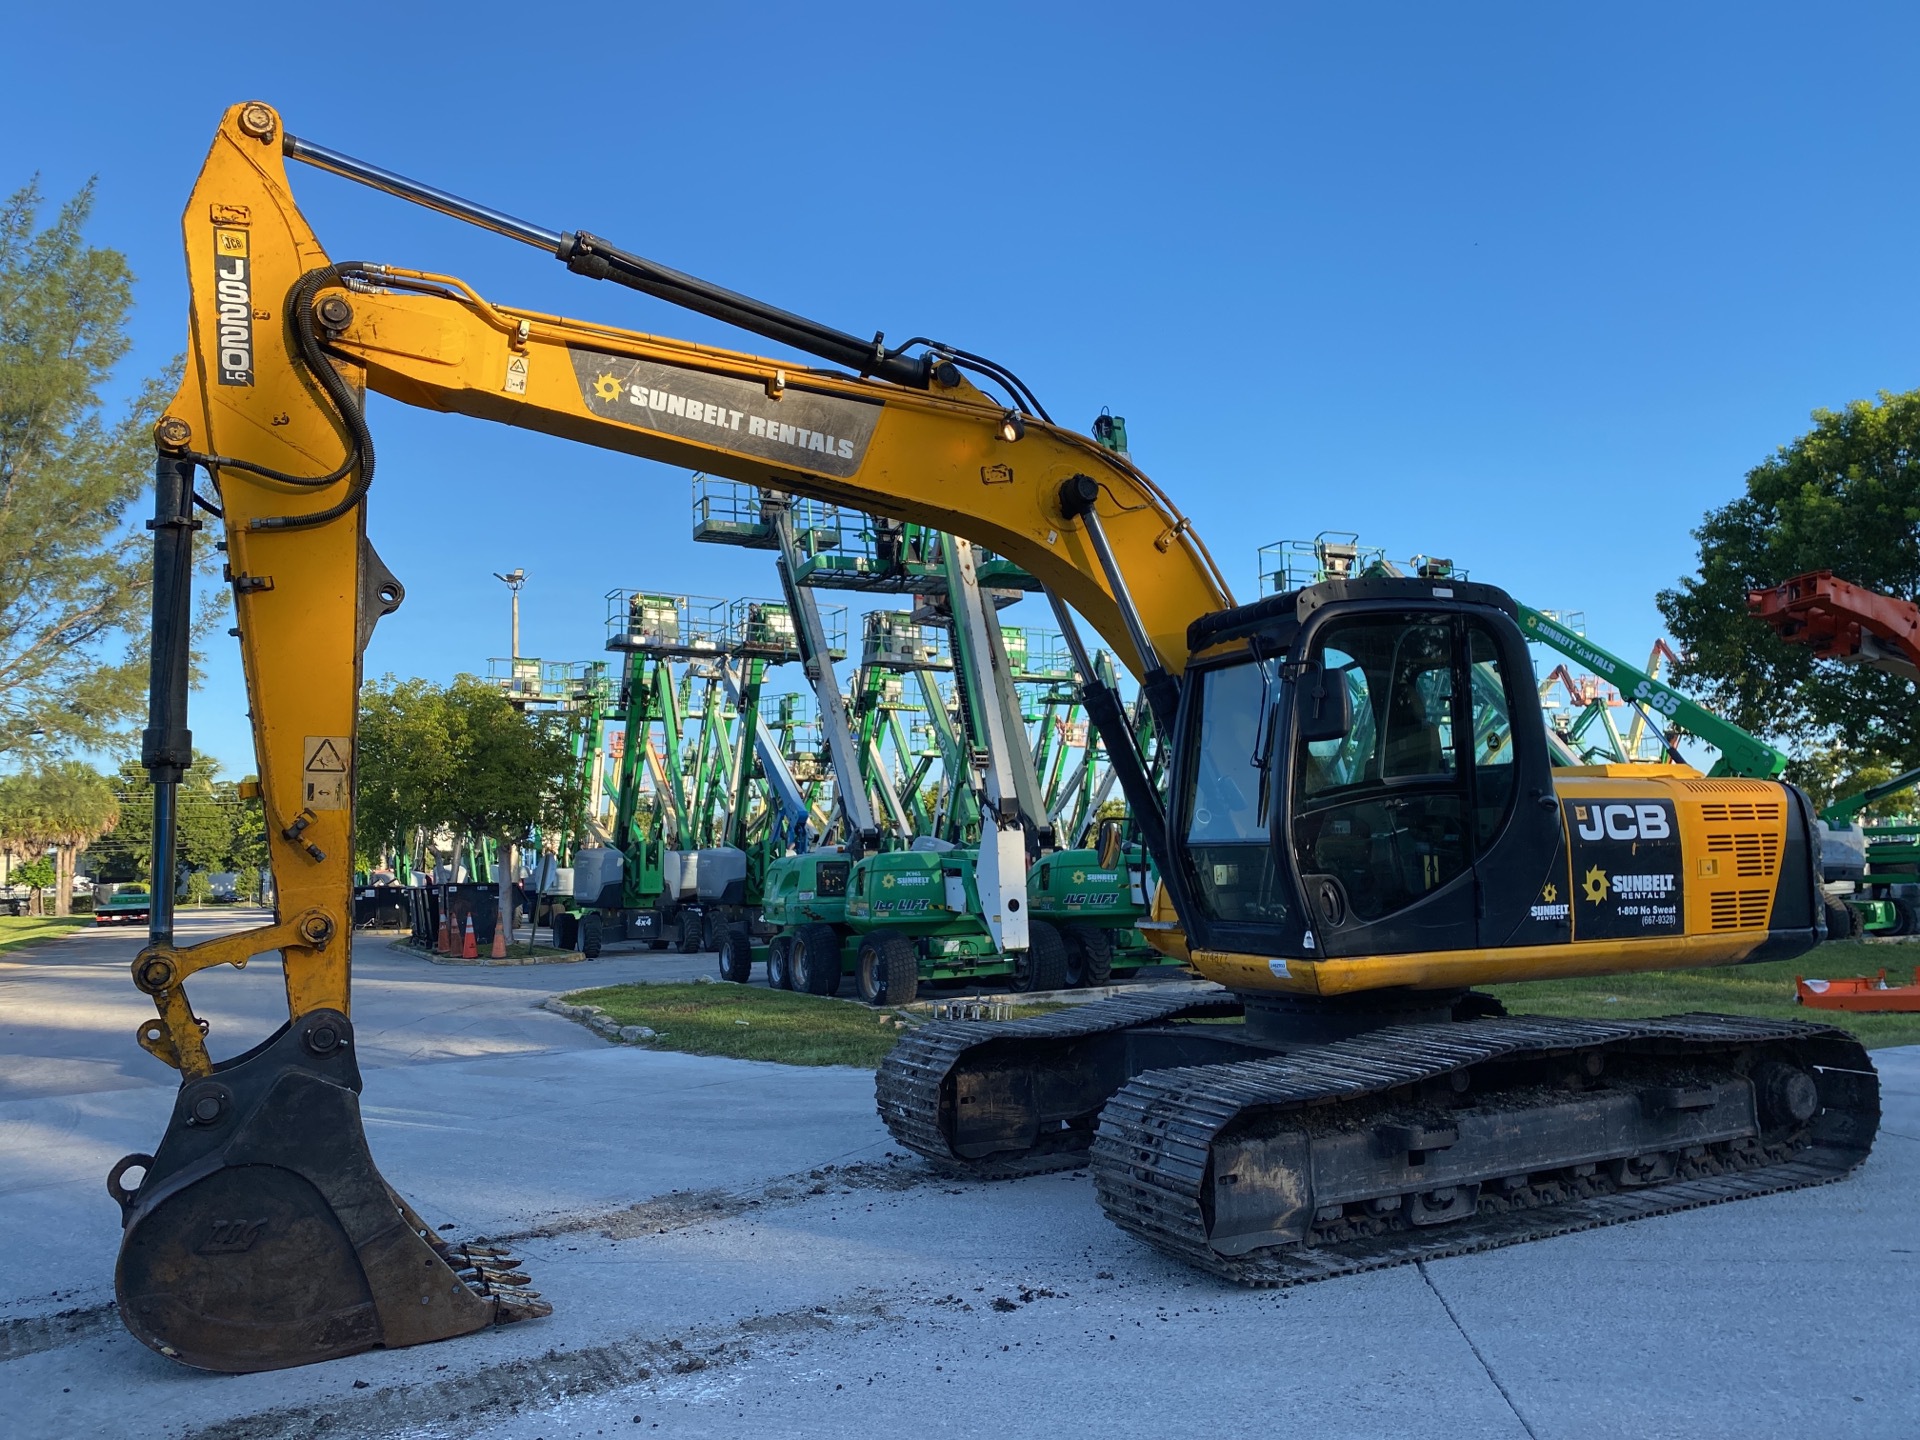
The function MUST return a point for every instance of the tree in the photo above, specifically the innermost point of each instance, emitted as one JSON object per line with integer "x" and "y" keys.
{"x": 459, "y": 757}
{"x": 64, "y": 807}
{"x": 37, "y": 875}
{"x": 1844, "y": 497}
{"x": 1835, "y": 771}
{"x": 512, "y": 770}
{"x": 406, "y": 762}
{"x": 214, "y": 828}
{"x": 74, "y": 572}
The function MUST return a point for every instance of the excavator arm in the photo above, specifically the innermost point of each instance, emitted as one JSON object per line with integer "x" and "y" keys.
{"x": 285, "y": 341}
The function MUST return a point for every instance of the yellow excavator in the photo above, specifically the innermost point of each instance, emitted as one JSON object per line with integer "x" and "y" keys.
{"x": 1361, "y": 820}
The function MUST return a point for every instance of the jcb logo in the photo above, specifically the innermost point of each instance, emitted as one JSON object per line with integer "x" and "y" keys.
{"x": 232, "y": 1237}
{"x": 1622, "y": 822}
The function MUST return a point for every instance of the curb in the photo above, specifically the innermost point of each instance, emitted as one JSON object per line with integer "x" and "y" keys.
{"x": 598, "y": 1021}
{"x": 404, "y": 948}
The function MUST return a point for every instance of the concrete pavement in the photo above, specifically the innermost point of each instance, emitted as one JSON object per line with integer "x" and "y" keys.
{"x": 733, "y": 1250}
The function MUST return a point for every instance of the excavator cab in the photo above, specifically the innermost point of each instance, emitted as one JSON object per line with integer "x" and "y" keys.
{"x": 1364, "y": 775}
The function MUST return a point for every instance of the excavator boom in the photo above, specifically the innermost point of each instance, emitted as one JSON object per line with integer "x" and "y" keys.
{"x": 284, "y": 344}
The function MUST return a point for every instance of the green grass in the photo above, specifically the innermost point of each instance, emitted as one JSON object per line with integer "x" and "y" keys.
{"x": 527, "y": 950}
{"x": 751, "y": 1022}
{"x": 1732, "y": 990}
{"x": 19, "y": 930}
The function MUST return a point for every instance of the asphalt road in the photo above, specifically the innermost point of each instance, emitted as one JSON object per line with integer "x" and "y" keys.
{"x": 733, "y": 1250}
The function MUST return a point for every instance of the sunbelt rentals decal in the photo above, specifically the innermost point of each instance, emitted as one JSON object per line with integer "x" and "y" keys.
{"x": 807, "y": 430}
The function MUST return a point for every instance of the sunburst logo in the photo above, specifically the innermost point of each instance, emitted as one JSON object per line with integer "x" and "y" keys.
{"x": 1595, "y": 888}
{"x": 607, "y": 387}
{"x": 1549, "y": 892}
{"x": 1079, "y": 877}
{"x": 886, "y": 882}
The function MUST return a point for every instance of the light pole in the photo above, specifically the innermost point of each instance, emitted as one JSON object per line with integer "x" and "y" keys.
{"x": 514, "y": 580}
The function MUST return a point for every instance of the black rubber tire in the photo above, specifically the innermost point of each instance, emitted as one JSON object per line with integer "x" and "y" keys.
{"x": 1840, "y": 920}
{"x": 1898, "y": 926}
{"x": 1910, "y": 916}
{"x": 888, "y": 971}
{"x": 780, "y": 963}
{"x": 689, "y": 940}
{"x": 816, "y": 960}
{"x": 592, "y": 930}
{"x": 1043, "y": 964}
{"x": 736, "y": 955}
{"x": 1089, "y": 956}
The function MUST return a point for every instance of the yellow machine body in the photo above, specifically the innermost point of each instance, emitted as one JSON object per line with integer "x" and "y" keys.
{"x": 1732, "y": 840}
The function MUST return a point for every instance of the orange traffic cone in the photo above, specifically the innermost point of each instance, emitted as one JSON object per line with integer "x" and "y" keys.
{"x": 500, "y": 940}
{"x": 468, "y": 949}
{"x": 444, "y": 944}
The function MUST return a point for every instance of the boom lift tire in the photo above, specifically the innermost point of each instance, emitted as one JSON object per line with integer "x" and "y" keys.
{"x": 888, "y": 970}
{"x": 1089, "y": 956}
{"x": 816, "y": 960}
{"x": 689, "y": 934}
{"x": 1842, "y": 922}
{"x": 1909, "y": 911}
{"x": 736, "y": 955}
{"x": 780, "y": 963}
{"x": 592, "y": 932}
{"x": 1043, "y": 964}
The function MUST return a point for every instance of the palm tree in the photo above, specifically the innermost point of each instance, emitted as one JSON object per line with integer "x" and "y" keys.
{"x": 64, "y": 806}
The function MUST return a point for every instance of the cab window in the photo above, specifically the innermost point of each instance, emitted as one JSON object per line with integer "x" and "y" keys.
{"x": 1493, "y": 768}
{"x": 1228, "y": 797}
{"x": 1379, "y": 818}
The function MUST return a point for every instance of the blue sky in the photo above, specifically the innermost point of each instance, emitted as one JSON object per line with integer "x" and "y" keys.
{"x": 1530, "y": 286}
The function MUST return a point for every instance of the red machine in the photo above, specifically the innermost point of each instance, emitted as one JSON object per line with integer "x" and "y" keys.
{"x": 1842, "y": 621}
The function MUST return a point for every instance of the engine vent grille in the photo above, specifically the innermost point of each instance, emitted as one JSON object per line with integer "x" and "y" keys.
{"x": 1734, "y": 812}
{"x": 1726, "y": 786}
{"x": 1740, "y": 909}
{"x": 1756, "y": 854}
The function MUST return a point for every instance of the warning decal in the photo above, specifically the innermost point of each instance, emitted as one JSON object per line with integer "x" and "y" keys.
{"x": 327, "y": 766}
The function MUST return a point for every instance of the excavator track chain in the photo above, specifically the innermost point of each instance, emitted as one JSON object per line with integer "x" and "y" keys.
{"x": 918, "y": 1084}
{"x": 262, "y": 1235}
{"x": 1293, "y": 1169}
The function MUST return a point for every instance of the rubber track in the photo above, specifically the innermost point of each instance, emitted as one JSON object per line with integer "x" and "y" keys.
{"x": 910, "y": 1082}
{"x": 1150, "y": 1157}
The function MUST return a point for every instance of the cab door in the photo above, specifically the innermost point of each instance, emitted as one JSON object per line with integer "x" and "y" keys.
{"x": 1381, "y": 828}
{"x": 1519, "y": 839}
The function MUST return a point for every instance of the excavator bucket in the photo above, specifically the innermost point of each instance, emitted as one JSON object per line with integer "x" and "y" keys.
{"x": 261, "y": 1235}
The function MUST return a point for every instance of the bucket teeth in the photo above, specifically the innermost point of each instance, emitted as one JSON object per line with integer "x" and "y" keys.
{"x": 493, "y": 1273}
{"x": 497, "y": 1278}
{"x": 514, "y": 1305}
